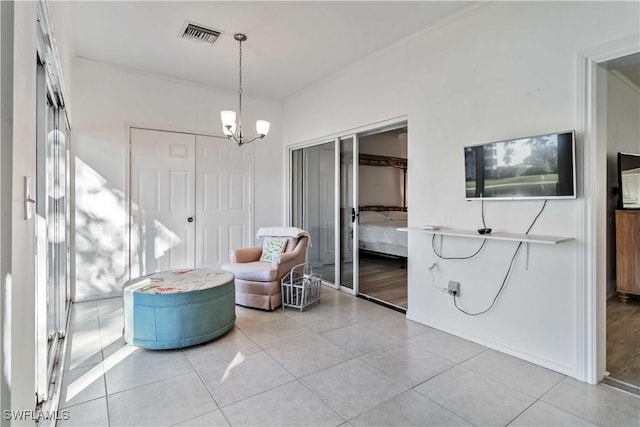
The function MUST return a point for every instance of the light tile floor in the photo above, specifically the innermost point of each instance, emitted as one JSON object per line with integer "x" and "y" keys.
{"x": 344, "y": 362}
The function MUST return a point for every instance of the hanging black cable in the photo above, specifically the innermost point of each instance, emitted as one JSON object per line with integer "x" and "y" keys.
{"x": 484, "y": 226}
{"x": 506, "y": 276}
{"x": 439, "y": 255}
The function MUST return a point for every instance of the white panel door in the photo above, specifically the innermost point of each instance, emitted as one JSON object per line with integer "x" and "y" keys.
{"x": 223, "y": 183}
{"x": 162, "y": 201}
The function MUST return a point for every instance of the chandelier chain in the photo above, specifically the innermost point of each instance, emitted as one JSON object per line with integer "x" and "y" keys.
{"x": 240, "y": 68}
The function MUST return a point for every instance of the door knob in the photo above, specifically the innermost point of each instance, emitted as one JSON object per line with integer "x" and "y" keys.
{"x": 190, "y": 219}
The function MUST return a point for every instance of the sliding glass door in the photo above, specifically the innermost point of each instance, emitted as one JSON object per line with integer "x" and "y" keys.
{"x": 313, "y": 203}
{"x": 349, "y": 214}
{"x": 52, "y": 230}
{"x": 325, "y": 197}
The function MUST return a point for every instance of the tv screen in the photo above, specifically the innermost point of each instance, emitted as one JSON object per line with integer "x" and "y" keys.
{"x": 629, "y": 180}
{"x": 535, "y": 167}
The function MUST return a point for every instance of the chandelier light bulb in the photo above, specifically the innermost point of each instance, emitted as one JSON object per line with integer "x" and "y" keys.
{"x": 262, "y": 127}
{"x": 228, "y": 118}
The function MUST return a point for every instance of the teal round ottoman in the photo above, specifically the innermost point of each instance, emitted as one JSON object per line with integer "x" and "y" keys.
{"x": 178, "y": 308}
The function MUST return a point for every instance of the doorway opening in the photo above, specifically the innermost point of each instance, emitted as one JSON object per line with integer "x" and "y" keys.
{"x": 621, "y": 78}
{"x": 382, "y": 208}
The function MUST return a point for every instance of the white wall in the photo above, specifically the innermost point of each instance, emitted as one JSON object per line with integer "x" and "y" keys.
{"x": 623, "y": 135}
{"x": 6, "y": 174}
{"x": 18, "y": 321}
{"x": 381, "y": 185}
{"x": 106, "y": 99}
{"x": 505, "y": 70}
{"x": 22, "y": 284}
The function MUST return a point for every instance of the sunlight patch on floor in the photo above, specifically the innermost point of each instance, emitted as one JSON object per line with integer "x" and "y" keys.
{"x": 97, "y": 371}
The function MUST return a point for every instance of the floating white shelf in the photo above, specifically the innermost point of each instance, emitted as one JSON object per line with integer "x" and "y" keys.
{"x": 473, "y": 234}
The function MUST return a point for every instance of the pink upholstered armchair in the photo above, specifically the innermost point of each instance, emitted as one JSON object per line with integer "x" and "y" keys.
{"x": 258, "y": 282}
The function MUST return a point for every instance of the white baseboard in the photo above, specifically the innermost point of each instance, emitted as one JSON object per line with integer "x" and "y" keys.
{"x": 529, "y": 357}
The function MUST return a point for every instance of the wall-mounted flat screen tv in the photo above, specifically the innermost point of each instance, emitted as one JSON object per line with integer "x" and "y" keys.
{"x": 535, "y": 167}
{"x": 629, "y": 180}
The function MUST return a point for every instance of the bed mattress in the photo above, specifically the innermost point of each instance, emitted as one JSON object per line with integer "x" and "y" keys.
{"x": 383, "y": 232}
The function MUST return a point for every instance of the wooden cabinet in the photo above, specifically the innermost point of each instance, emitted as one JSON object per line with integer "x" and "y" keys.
{"x": 627, "y": 253}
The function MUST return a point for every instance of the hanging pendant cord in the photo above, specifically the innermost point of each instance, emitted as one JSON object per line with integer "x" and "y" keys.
{"x": 240, "y": 94}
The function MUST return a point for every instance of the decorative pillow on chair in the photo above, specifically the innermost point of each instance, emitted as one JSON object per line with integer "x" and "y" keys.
{"x": 271, "y": 248}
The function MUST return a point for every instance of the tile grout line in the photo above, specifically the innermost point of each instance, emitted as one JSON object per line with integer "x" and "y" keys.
{"x": 366, "y": 365}
{"x": 522, "y": 412}
{"x": 144, "y": 385}
{"x": 485, "y": 376}
{"x": 219, "y": 408}
{"x": 304, "y": 384}
{"x": 106, "y": 398}
{"x": 437, "y": 403}
{"x": 104, "y": 374}
{"x": 356, "y": 357}
{"x": 559, "y": 408}
{"x": 248, "y": 397}
{"x": 299, "y": 381}
{"x": 499, "y": 381}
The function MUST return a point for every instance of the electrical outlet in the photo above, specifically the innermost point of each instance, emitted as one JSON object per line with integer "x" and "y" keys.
{"x": 454, "y": 288}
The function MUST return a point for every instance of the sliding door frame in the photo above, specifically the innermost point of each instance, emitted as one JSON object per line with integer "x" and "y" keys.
{"x": 52, "y": 218}
{"x": 356, "y": 133}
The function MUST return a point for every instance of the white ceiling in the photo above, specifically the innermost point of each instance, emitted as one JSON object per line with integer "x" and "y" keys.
{"x": 290, "y": 46}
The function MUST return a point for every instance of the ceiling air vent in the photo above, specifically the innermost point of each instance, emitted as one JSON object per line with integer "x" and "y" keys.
{"x": 199, "y": 33}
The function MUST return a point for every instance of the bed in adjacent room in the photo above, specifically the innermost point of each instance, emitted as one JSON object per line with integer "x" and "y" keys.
{"x": 378, "y": 230}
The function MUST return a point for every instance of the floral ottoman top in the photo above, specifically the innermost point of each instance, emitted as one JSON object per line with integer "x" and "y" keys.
{"x": 179, "y": 281}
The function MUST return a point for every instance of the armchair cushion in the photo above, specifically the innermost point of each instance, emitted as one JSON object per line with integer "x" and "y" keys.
{"x": 254, "y": 271}
{"x": 272, "y": 247}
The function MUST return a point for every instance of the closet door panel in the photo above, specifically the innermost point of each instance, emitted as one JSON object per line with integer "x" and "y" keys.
{"x": 223, "y": 178}
{"x": 162, "y": 201}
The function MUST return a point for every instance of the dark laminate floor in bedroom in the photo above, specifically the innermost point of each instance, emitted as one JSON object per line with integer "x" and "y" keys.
{"x": 623, "y": 340}
{"x": 383, "y": 278}
{"x": 380, "y": 277}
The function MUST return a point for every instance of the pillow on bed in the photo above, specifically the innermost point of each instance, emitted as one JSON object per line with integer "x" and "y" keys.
{"x": 395, "y": 215}
{"x": 371, "y": 216}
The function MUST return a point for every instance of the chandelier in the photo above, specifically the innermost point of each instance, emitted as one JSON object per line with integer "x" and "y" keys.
{"x": 232, "y": 128}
